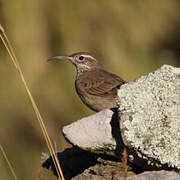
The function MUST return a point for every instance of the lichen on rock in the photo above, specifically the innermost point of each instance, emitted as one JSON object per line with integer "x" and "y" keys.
{"x": 149, "y": 110}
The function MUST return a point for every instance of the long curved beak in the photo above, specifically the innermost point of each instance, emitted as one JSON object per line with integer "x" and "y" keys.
{"x": 60, "y": 57}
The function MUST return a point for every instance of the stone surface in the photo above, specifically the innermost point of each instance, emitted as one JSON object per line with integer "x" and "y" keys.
{"x": 150, "y": 117}
{"x": 78, "y": 163}
{"x": 156, "y": 175}
{"x": 147, "y": 122}
{"x": 115, "y": 175}
{"x": 93, "y": 132}
{"x": 73, "y": 161}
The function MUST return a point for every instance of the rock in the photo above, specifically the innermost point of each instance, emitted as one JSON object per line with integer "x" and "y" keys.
{"x": 147, "y": 122}
{"x": 115, "y": 175}
{"x": 93, "y": 133}
{"x": 149, "y": 111}
{"x": 73, "y": 161}
{"x": 79, "y": 164}
{"x": 159, "y": 175}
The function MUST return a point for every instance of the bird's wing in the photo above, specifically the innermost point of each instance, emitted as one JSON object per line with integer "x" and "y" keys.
{"x": 102, "y": 83}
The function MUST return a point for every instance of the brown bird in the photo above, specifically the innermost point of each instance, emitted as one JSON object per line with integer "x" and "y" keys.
{"x": 96, "y": 87}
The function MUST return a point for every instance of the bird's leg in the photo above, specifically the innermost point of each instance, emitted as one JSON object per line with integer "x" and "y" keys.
{"x": 124, "y": 162}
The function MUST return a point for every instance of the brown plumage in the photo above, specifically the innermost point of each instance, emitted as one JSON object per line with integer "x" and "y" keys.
{"x": 96, "y": 87}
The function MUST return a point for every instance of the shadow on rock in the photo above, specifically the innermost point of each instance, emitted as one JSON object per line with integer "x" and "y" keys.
{"x": 73, "y": 161}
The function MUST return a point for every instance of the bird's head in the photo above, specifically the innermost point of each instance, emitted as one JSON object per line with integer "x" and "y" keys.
{"x": 83, "y": 61}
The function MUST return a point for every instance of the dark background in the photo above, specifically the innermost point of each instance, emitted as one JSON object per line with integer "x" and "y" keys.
{"x": 130, "y": 38}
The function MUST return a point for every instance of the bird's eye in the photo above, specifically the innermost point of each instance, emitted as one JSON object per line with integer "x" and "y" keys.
{"x": 81, "y": 57}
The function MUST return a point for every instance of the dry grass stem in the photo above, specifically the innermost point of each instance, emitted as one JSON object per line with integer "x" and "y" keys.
{"x": 9, "y": 48}
{"x": 8, "y": 162}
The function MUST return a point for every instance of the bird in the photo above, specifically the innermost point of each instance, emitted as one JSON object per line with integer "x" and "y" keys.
{"x": 96, "y": 87}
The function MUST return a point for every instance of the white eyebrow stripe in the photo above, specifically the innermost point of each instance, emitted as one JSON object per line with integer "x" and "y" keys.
{"x": 88, "y": 56}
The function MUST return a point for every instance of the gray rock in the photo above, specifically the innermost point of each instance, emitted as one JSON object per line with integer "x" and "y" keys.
{"x": 149, "y": 111}
{"x": 93, "y": 132}
{"x": 149, "y": 114}
{"x": 73, "y": 161}
{"x": 156, "y": 175}
{"x": 149, "y": 175}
